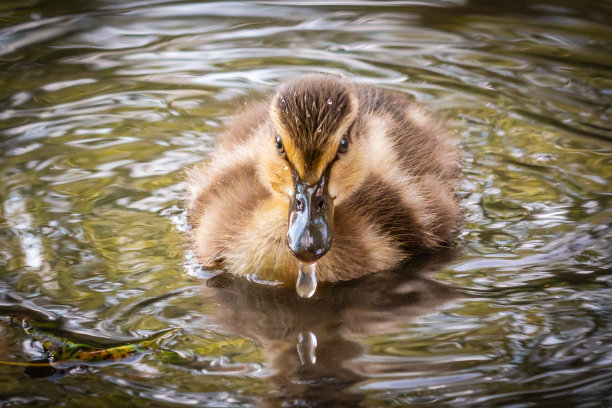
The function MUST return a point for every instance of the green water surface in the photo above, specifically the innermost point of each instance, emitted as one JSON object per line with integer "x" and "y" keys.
{"x": 104, "y": 103}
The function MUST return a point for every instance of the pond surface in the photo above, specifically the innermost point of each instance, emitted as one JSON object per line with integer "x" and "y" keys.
{"x": 104, "y": 103}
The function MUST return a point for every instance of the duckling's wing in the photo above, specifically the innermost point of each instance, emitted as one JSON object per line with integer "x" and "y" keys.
{"x": 408, "y": 194}
{"x": 222, "y": 192}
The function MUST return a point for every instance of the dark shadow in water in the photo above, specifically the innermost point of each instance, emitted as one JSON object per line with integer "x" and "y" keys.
{"x": 310, "y": 343}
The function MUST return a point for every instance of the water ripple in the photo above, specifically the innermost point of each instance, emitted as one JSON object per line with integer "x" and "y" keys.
{"x": 102, "y": 106}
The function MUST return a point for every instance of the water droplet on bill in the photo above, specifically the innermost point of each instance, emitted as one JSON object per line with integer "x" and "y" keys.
{"x": 306, "y": 284}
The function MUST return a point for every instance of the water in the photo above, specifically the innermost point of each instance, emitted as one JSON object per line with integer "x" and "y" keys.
{"x": 306, "y": 284}
{"x": 104, "y": 103}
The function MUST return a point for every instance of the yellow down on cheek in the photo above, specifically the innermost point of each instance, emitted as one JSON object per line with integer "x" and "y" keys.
{"x": 347, "y": 174}
{"x": 278, "y": 174}
{"x": 324, "y": 160}
{"x": 310, "y": 172}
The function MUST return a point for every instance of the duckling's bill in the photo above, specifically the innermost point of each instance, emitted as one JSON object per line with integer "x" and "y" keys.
{"x": 309, "y": 235}
{"x": 311, "y": 213}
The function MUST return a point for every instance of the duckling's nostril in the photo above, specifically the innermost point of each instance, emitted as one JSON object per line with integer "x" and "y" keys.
{"x": 299, "y": 203}
{"x": 320, "y": 199}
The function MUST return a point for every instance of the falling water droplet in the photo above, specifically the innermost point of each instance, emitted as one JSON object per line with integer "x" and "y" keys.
{"x": 329, "y": 102}
{"x": 307, "y": 280}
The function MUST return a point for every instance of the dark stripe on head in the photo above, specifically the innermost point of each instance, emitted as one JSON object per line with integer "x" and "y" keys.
{"x": 310, "y": 110}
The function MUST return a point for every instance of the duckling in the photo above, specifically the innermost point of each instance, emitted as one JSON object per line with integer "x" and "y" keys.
{"x": 350, "y": 176}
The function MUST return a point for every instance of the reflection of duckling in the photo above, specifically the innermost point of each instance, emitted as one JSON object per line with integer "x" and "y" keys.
{"x": 315, "y": 349}
{"x": 324, "y": 160}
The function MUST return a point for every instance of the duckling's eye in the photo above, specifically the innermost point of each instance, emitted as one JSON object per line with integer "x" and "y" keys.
{"x": 344, "y": 143}
{"x": 279, "y": 145}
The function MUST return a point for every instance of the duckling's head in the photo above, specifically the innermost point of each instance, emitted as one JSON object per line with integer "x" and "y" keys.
{"x": 310, "y": 159}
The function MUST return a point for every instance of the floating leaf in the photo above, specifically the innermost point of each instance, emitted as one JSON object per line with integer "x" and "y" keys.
{"x": 66, "y": 353}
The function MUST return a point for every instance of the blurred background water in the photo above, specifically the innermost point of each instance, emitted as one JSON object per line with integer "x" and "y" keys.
{"x": 103, "y": 103}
